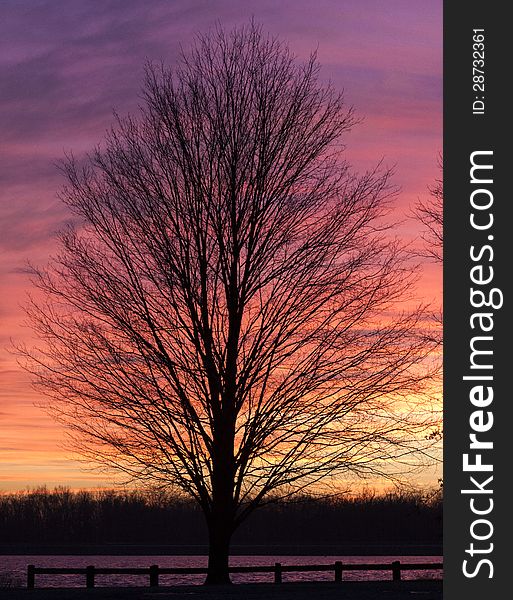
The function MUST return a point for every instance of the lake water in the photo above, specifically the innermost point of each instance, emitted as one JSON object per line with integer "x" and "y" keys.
{"x": 15, "y": 568}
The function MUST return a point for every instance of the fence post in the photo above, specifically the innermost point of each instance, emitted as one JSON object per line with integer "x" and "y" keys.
{"x": 396, "y": 570}
{"x": 277, "y": 572}
{"x": 338, "y": 571}
{"x": 154, "y": 576}
{"x": 90, "y": 576}
{"x": 31, "y": 577}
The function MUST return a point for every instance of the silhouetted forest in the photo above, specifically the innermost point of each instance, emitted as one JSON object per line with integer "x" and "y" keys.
{"x": 62, "y": 516}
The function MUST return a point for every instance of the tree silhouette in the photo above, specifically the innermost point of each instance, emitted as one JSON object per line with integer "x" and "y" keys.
{"x": 430, "y": 214}
{"x": 229, "y": 315}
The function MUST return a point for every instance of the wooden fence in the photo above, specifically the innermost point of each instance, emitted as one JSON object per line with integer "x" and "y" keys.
{"x": 278, "y": 569}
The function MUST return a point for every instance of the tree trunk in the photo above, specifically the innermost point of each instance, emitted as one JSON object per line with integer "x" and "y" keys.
{"x": 221, "y": 519}
{"x": 220, "y": 533}
{"x": 222, "y": 516}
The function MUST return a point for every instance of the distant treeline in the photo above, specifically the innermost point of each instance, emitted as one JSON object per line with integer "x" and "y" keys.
{"x": 61, "y": 516}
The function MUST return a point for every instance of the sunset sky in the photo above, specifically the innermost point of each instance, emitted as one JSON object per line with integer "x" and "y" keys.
{"x": 65, "y": 65}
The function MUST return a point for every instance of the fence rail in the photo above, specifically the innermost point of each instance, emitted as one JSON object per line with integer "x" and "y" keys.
{"x": 154, "y": 571}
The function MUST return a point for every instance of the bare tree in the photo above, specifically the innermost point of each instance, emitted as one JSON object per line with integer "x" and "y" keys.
{"x": 430, "y": 214}
{"x": 229, "y": 316}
